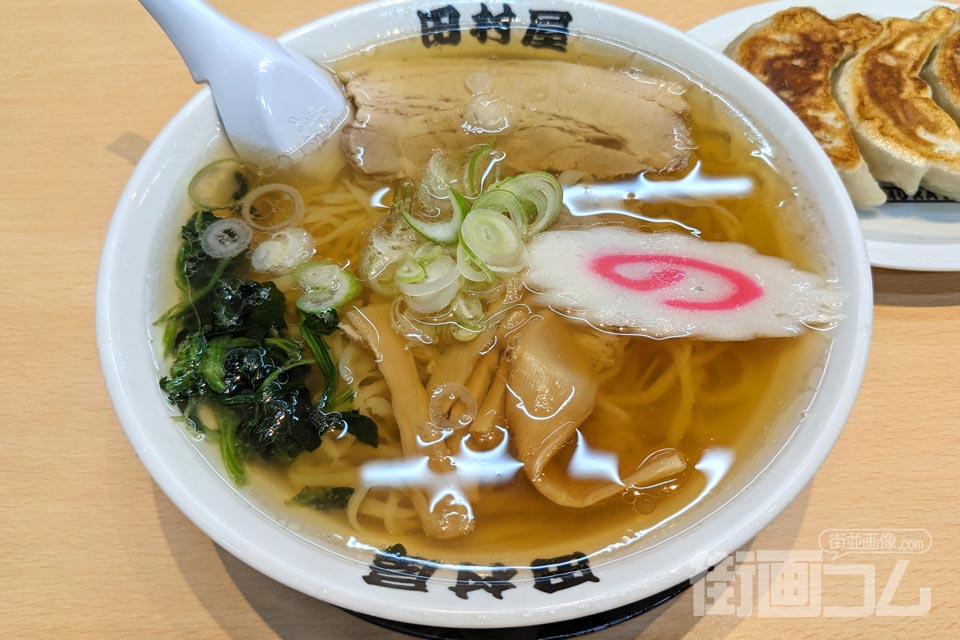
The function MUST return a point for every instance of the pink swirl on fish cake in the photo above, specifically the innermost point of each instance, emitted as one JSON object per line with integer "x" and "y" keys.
{"x": 744, "y": 289}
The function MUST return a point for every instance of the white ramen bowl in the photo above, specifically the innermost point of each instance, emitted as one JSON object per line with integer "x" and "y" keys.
{"x": 137, "y": 260}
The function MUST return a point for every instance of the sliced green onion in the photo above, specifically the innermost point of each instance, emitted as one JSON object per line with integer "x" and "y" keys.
{"x": 275, "y": 218}
{"x": 411, "y": 271}
{"x": 433, "y": 228}
{"x": 493, "y": 241}
{"x": 437, "y": 290}
{"x": 481, "y": 167}
{"x": 427, "y": 252}
{"x": 469, "y": 268}
{"x": 541, "y": 195}
{"x": 444, "y": 232}
{"x": 220, "y": 185}
{"x": 226, "y": 238}
{"x": 460, "y": 202}
{"x": 317, "y": 275}
{"x": 283, "y": 251}
{"x": 440, "y": 274}
{"x": 320, "y": 301}
{"x": 326, "y": 286}
{"x": 506, "y": 202}
{"x": 463, "y": 334}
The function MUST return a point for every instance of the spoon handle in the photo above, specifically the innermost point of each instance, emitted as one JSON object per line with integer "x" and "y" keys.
{"x": 271, "y": 101}
{"x": 204, "y": 37}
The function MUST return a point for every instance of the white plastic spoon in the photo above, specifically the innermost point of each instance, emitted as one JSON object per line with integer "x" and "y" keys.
{"x": 272, "y": 101}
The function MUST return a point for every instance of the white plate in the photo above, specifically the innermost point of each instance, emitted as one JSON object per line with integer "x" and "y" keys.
{"x": 912, "y": 234}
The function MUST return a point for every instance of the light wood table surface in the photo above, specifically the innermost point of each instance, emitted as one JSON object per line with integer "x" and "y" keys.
{"x": 89, "y": 547}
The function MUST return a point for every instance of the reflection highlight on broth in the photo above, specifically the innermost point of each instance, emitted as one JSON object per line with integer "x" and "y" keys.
{"x": 513, "y": 294}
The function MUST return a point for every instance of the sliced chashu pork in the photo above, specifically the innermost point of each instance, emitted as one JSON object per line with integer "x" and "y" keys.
{"x": 943, "y": 73}
{"x": 546, "y": 116}
{"x": 906, "y": 138}
{"x": 795, "y": 53}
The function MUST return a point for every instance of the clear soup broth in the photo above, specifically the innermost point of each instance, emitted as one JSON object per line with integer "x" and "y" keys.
{"x": 708, "y": 404}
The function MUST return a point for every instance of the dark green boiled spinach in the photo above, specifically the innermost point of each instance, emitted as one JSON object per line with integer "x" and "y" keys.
{"x": 232, "y": 365}
{"x": 323, "y": 498}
